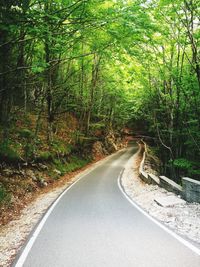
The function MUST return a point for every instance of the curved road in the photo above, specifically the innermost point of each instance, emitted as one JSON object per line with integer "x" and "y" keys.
{"x": 93, "y": 225}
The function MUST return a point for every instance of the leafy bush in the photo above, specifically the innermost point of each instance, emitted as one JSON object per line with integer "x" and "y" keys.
{"x": 45, "y": 156}
{"x": 183, "y": 163}
{"x": 190, "y": 168}
{"x": 28, "y": 143}
{"x": 29, "y": 150}
{"x": 98, "y": 126}
{"x": 8, "y": 153}
{"x": 60, "y": 147}
{"x": 26, "y": 133}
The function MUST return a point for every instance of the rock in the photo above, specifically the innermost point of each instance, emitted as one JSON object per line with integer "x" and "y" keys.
{"x": 8, "y": 172}
{"x": 168, "y": 201}
{"x": 32, "y": 175}
{"x": 42, "y": 166}
{"x": 43, "y": 183}
{"x": 57, "y": 171}
{"x": 22, "y": 173}
{"x": 12, "y": 199}
{"x": 110, "y": 143}
{"x": 98, "y": 150}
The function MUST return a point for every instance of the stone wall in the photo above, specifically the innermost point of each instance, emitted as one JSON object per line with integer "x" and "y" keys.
{"x": 190, "y": 189}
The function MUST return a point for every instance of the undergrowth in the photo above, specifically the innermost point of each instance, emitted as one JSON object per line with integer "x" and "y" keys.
{"x": 66, "y": 166}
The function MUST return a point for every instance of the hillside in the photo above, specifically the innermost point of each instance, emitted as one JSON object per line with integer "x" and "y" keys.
{"x": 31, "y": 166}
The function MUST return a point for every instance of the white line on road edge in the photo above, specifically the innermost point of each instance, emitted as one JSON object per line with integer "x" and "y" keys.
{"x": 32, "y": 239}
{"x": 179, "y": 238}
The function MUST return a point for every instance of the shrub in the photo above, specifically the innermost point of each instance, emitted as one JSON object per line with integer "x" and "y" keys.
{"x": 26, "y": 133}
{"x": 183, "y": 164}
{"x": 60, "y": 147}
{"x": 73, "y": 164}
{"x": 8, "y": 153}
{"x": 45, "y": 156}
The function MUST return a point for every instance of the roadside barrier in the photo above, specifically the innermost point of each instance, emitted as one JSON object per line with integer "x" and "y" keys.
{"x": 190, "y": 189}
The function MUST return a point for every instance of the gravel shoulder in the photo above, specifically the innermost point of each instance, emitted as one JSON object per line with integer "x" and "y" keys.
{"x": 184, "y": 219}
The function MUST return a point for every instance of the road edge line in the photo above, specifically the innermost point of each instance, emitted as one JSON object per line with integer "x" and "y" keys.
{"x": 162, "y": 226}
{"x": 25, "y": 251}
{"x": 36, "y": 232}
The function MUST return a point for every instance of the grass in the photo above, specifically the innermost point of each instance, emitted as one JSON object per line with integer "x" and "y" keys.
{"x": 72, "y": 164}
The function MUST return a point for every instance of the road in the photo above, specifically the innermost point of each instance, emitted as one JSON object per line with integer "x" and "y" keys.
{"x": 93, "y": 225}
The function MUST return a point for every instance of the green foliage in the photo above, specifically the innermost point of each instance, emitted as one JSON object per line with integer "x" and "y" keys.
{"x": 9, "y": 153}
{"x": 190, "y": 168}
{"x": 45, "y": 156}
{"x": 60, "y": 147}
{"x": 5, "y": 197}
{"x": 26, "y": 133}
{"x": 29, "y": 150}
{"x": 28, "y": 143}
{"x": 74, "y": 163}
{"x": 183, "y": 164}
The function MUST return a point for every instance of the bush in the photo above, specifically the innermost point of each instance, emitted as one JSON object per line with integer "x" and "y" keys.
{"x": 26, "y": 133}
{"x": 60, "y": 147}
{"x": 29, "y": 151}
{"x": 45, "y": 156}
{"x": 8, "y": 153}
{"x": 188, "y": 167}
{"x": 28, "y": 143}
{"x": 73, "y": 164}
{"x": 183, "y": 164}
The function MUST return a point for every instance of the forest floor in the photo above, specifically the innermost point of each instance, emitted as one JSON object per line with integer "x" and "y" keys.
{"x": 184, "y": 219}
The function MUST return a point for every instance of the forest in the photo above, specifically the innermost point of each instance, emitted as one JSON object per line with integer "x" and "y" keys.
{"x": 72, "y": 71}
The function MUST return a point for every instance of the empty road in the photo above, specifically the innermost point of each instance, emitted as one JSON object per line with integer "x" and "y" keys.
{"x": 93, "y": 225}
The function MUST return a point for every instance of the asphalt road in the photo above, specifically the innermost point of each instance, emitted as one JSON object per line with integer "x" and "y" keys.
{"x": 93, "y": 225}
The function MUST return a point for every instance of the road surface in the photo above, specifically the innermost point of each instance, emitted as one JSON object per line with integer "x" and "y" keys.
{"x": 93, "y": 225}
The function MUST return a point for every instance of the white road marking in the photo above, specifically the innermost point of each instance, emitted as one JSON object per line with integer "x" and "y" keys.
{"x": 36, "y": 232}
{"x": 31, "y": 241}
{"x": 176, "y": 236}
